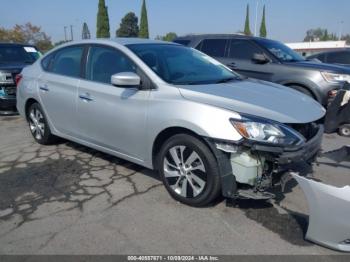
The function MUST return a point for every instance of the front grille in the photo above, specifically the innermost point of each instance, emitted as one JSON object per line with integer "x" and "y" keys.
{"x": 308, "y": 130}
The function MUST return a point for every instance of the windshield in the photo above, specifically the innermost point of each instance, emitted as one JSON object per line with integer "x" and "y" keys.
{"x": 18, "y": 54}
{"x": 281, "y": 51}
{"x": 181, "y": 65}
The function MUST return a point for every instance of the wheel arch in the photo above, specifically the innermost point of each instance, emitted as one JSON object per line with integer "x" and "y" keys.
{"x": 165, "y": 134}
{"x": 228, "y": 180}
{"x": 306, "y": 86}
{"x": 28, "y": 104}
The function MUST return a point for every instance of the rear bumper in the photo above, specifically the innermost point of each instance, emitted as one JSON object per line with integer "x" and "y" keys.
{"x": 8, "y": 103}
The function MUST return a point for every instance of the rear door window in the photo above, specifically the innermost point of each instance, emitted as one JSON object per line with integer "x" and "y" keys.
{"x": 213, "y": 47}
{"x": 339, "y": 58}
{"x": 242, "y": 49}
{"x": 68, "y": 61}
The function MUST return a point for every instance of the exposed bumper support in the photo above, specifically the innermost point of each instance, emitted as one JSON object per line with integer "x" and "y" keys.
{"x": 329, "y": 217}
{"x": 258, "y": 176}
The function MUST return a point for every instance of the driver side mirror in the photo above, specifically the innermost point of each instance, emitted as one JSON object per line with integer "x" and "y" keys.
{"x": 126, "y": 79}
{"x": 260, "y": 59}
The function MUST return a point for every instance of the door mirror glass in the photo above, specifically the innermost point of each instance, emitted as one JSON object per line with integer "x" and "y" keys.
{"x": 260, "y": 59}
{"x": 126, "y": 79}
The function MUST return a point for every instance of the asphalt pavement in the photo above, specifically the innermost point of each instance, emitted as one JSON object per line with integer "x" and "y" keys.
{"x": 69, "y": 199}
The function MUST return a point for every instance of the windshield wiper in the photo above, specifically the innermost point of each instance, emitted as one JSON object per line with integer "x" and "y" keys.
{"x": 186, "y": 83}
{"x": 225, "y": 80}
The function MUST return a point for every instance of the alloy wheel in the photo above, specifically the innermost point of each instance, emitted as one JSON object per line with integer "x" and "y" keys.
{"x": 184, "y": 171}
{"x": 36, "y": 123}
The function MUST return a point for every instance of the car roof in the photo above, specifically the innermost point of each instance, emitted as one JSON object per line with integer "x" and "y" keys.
{"x": 225, "y": 36}
{"x": 330, "y": 52}
{"x": 121, "y": 41}
{"x": 15, "y": 44}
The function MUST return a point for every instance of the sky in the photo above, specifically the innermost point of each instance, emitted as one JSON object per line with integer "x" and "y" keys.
{"x": 287, "y": 20}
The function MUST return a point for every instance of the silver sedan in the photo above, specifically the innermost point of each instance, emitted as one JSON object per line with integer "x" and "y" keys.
{"x": 206, "y": 129}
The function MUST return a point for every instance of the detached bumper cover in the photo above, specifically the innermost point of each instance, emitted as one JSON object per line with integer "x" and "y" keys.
{"x": 329, "y": 216}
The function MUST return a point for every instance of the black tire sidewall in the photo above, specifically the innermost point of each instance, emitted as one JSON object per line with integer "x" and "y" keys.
{"x": 212, "y": 187}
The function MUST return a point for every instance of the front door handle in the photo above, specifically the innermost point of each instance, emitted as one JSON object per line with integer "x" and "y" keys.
{"x": 86, "y": 97}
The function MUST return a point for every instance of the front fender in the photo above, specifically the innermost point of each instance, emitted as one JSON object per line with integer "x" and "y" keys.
{"x": 204, "y": 120}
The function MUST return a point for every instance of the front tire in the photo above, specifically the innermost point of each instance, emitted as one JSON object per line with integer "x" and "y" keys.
{"x": 38, "y": 125}
{"x": 189, "y": 170}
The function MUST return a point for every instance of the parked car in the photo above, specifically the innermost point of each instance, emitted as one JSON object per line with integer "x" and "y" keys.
{"x": 339, "y": 57}
{"x": 13, "y": 58}
{"x": 272, "y": 61}
{"x": 174, "y": 109}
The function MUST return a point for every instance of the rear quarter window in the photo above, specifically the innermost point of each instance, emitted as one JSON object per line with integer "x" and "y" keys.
{"x": 46, "y": 62}
{"x": 66, "y": 61}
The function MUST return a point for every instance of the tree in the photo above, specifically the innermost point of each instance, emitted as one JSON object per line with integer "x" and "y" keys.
{"x": 144, "y": 22}
{"x": 319, "y": 34}
{"x": 169, "y": 37}
{"x": 128, "y": 26}
{"x": 103, "y": 30}
{"x": 246, "y": 25}
{"x": 86, "y": 32}
{"x": 27, "y": 34}
{"x": 263, "y": 32}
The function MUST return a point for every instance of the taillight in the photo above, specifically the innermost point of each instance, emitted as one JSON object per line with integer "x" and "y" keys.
{"x": 18, "y": 79}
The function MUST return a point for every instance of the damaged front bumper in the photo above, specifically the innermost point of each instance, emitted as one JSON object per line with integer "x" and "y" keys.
{"x": 329, "y": 217}
{"x": 285, "y": 155}
{"x": 249, "y": 170}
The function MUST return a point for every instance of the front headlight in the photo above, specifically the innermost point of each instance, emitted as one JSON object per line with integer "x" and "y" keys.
{"x": 264, "y": 131}
{"x": 335, "y": 78}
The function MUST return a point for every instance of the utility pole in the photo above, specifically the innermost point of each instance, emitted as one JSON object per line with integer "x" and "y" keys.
{"x": 340, "y": 29}
{"x": 65, "y": 34}
{"x": 256, "y": 17}
{"x": 71, "y": 32}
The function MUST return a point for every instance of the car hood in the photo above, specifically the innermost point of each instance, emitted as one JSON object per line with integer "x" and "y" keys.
{"x": 258, "y": 98}
{"x": 320, "y": 66}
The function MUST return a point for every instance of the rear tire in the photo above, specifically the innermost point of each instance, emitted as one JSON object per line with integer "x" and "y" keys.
{"x": 189, "y": 170}
{"x": 38, "y": 125}
{"x": 344, "y": 130}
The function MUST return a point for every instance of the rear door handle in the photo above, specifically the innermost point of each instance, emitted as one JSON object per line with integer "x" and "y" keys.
{"x": 44, "y": 88}
{"x": 86, "y": 97}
